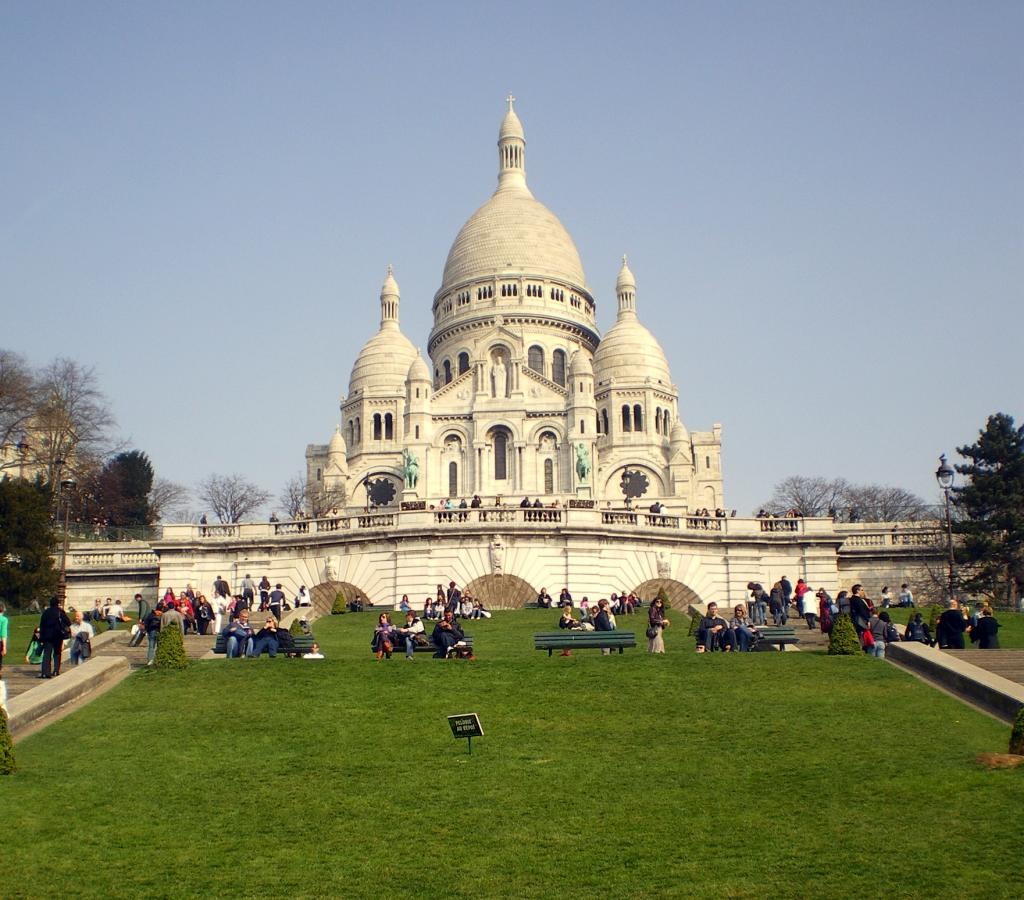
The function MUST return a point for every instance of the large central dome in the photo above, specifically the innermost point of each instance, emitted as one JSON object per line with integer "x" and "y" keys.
{"x": 512, "y": 232}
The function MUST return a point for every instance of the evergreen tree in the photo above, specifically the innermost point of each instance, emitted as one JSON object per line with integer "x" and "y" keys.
{"x": 170, "y": 650}
{"x": 27, "y": 542}
{"x": 124, "y": 486}
{"x": 991, "y": 507}
{"x": 7, "y": 764}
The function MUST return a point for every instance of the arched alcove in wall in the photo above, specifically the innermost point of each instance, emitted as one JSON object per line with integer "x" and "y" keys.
{"x": 324, "y": 593}
{"x": 679, "y": 595}
{"x": 501, "y": 591}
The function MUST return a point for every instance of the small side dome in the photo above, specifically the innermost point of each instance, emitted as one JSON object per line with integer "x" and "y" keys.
{"x": 679, "y": 433}
{"x": 419, "y": 371}
{"x": 337, "y": 444}
{"x": 580, "y": 364}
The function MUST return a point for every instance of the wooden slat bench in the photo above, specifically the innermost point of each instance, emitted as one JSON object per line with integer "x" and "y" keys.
{"x": 775, "y": 635}
{"x": 303, "y": 644}
{"x": 569, "y": 639}
{"x": 430, "y": 648}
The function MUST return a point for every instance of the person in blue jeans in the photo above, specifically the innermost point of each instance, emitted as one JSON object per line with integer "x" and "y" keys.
{"x": 265, "y": 639}
{"x": 238, "y": 636}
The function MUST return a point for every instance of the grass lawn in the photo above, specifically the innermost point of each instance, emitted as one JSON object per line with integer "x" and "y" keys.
{"x": 792, "y": 774}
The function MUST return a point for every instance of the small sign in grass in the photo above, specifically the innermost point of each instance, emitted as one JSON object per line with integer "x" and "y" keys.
{"x": 466, "y": 725}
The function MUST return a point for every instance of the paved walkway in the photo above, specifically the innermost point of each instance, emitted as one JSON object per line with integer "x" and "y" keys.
{"x": 1008, "y": 663}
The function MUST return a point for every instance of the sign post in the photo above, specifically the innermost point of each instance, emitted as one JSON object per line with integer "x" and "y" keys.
{"x": 466, "y": 725}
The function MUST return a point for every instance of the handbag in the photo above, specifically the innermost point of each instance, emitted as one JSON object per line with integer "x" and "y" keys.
{"x": 867, "y": 639}
{"x": 653, "y": 631}
{"x": 387, "y": 646}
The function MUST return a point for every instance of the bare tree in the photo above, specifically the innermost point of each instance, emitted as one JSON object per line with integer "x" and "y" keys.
{"x": 857, "y": 502}
{"x": 293, "y": 496}
{"x": 807, "y": 496}
{"x": 323, "y": 502}
{"x": 72, "y": 425}
{"x": 167, "y": 499}
{"x": 231, "y": 497}
{"x": 878, "y": 503}
{"x": 17, "y": 396}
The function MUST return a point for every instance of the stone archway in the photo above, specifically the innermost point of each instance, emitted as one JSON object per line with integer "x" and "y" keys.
{"x": 679, "y": 595}
{"x": 501, "y": 591}
{"x": 324, "y": 593}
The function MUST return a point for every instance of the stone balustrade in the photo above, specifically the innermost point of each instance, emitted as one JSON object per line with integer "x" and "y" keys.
{"x": 87, "y": 559}
{"x": 511, "y": 517}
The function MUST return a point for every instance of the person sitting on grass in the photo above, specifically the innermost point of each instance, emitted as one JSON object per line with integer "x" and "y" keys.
{"x": 744, "y": 633}
{"x": 413, "y": 626}
{"x": 314, "y": 652}
{"x": 917, "y": 630}
{"x": 265, "y": 639}
{"x": 115, "y": 614}
{"x": 568, "y": 620}
{"x": 564, "y": 598}
{"x": 383, "y": 637}
{"x": 714, "y": 632}
{"x": 544, "y": 600}
{"x": 446, "y": 634}
{"x": 238, "y": 636}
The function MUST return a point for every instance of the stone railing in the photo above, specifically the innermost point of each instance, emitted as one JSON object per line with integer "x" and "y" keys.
{"x": 111, "y": 559}
{"x": 869, "y": 536}
{"x": 527, "y": 517}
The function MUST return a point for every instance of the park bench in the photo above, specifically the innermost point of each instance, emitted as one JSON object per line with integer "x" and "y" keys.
{"x": 303, "y": 644}
{"x": 430, "y": 648}
{"x": 569, "y": 639}
{"x": 775, "y": 635}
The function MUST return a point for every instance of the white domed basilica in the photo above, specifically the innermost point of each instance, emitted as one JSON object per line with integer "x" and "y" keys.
{"x": 521, "y": 395}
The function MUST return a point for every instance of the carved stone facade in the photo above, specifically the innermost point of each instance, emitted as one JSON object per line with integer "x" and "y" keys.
{"x": 522, "y": 396}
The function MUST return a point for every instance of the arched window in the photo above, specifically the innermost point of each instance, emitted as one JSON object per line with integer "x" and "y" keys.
{"x": 665, "y": 421}
{"x": 558, "y": 367}
{"x": 583, "y": 427}
{"x": 389, "y": 427}
{"x": 638, "y": 418}
{"x": 376, "y": 426}
{"x": 417, "y": 432}
{"x": 351, "y": 431}
{"x": 549, "y": 476}
{"x": 359, "y": 431}
{"x": 500, "y": 456}
{"x": 447, "y": 371}
{"x": 319, "y": 474}
{"x": 657, "y": 420}
{"x": 535, "y": 359}
{"x": 604, "y": 420}
{"x": 453, "y": 479}
{"x": 597, "y": 422}
{"x": 463, "y": 362}
{"x": 627, "y": 424}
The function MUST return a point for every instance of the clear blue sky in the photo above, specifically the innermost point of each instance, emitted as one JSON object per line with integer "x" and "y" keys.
{"x": 822, "y": 203}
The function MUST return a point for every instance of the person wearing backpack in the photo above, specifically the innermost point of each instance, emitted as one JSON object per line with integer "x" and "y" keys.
{"x": 917, "y": 630}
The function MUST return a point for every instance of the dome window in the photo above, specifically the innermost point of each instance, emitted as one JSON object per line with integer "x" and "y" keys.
{"x": 665, "y": 421}
{"x": 638, "y": 418}
{"x": 657, "y": 420}
{"x": 463, "y": 362}
{"x": 535, "y": 359}
{"x": 627, "y": 423}
{"x": 604, "y": 421}
{"x": 558, "y": 367}
{"x": 597, "y": 422}
{"x": 376, "y": 426}
{"x": 389, "y": 427}
{"x": 447, "y": 364}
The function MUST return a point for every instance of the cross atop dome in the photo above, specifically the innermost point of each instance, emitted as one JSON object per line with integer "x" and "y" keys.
{"x": 510, "y": 100}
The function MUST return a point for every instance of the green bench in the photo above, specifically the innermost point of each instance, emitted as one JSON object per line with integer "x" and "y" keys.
{"x": 775, "y": 635}
{"x": 303, "y": 644}
{"x": 569, "y": 639}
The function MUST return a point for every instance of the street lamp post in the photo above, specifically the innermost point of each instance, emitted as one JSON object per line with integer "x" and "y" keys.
{"x": 944, "y": 475}
{"x": 66, "y": 486}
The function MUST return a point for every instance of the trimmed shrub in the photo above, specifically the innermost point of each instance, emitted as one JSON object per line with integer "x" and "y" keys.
{"x": 170, "y": 650}
{"x": 296, "y": 627}
{"x": 694, "y": 625}
{"x": 339, "y": 606}
{"x": 843, "y": 639}
{"x": 1016, "y": 734}
{"x": 7, "y": 765}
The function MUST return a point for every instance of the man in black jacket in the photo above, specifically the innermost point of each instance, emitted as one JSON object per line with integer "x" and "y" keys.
{"x": 54, "y": 626}
{"x": 951, "y": 627}
{"x": 860, "y": 612}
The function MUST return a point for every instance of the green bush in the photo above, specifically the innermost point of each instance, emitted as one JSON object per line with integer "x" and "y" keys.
{"x": 843, "y": 639}
{"x": 7, "y": 765}
{"x": 296, "y": 626}
{"x": 339, "y": 604}
{"x": 1016, "y": 734}
{"x": 694, "y": 625}
{"x": 170, "y": 650}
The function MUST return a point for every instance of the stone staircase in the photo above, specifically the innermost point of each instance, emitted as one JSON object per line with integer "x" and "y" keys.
{"x": 22, "y": 678}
